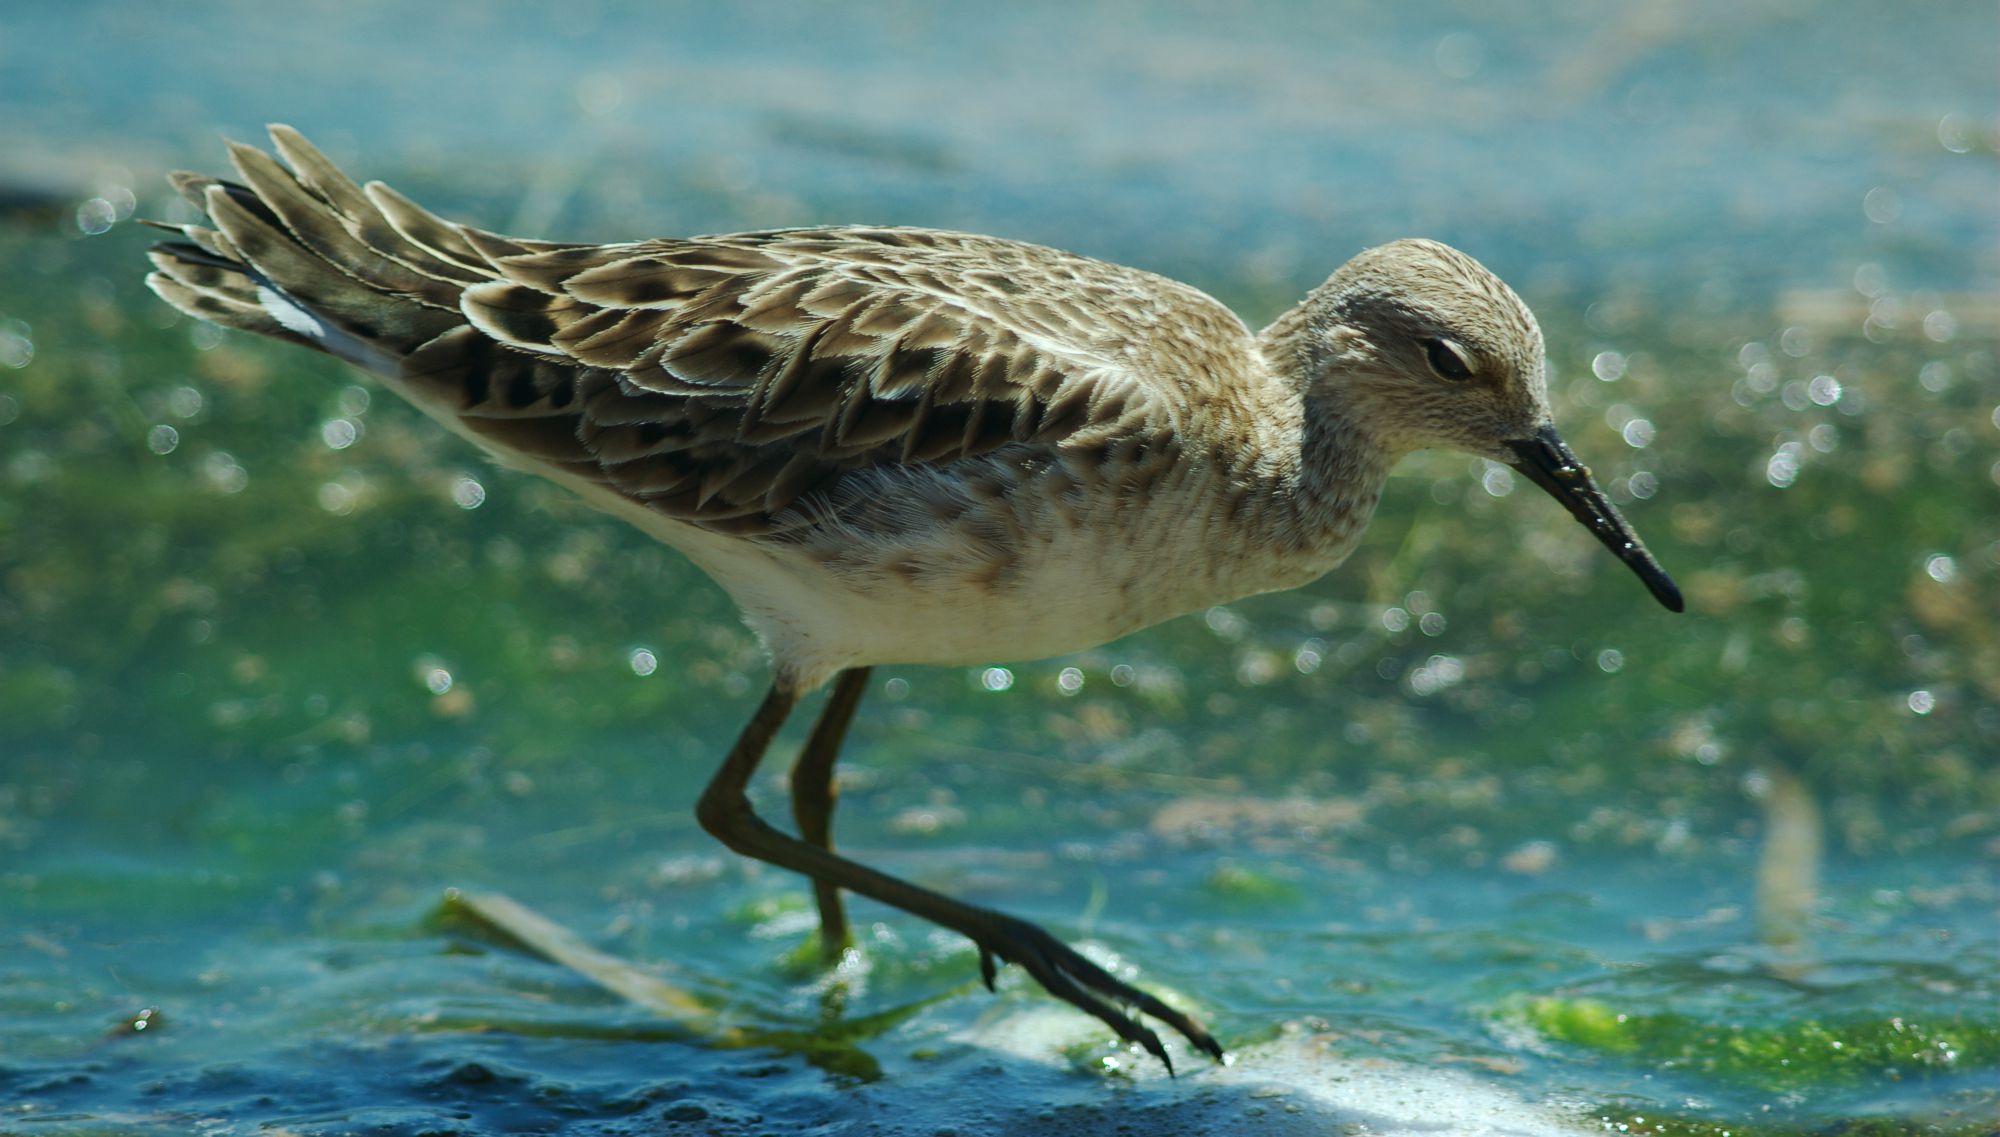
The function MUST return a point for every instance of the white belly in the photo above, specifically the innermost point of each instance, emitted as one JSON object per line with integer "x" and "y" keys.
{"x": 933, "y": 596}
{"x": 960, "y": 579}
{"x": 1075, "y": 592}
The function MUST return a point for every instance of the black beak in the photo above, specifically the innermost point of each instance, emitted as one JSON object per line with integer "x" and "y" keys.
{"x": 1548, "y": 462}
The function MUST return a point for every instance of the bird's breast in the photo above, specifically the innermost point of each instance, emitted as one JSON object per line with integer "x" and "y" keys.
{"x": 1005, "y": 563}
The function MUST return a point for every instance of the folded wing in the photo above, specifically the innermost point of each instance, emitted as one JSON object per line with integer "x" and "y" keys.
{"x": 716, "y": 380}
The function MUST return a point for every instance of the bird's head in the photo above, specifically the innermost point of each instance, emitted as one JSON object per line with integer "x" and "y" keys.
{"x": 1422, "y": 347}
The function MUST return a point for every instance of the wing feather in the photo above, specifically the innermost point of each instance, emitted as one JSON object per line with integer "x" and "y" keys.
{"x": 720, "y": 380}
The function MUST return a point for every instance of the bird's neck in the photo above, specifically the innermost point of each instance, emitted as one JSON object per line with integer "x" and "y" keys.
{"x": 1333, "y": 470}
{"x": 1300, "y": 509}
{"x": 1339, "y": 478}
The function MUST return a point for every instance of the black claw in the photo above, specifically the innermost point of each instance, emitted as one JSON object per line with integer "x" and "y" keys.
{"x": 1061, "y": 982}
{"x": 1152, "y": 1045}
{"x": 1069, "y": 976}
{"x": 1189, "y": 1029}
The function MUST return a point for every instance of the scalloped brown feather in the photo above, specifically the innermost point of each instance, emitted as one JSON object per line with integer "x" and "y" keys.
{"x": 716, "y": 380}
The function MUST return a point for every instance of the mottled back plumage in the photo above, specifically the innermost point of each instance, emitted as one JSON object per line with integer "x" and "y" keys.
{"x": 718, "y": 379}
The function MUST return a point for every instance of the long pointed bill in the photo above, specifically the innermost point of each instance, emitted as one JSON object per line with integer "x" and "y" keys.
{"x": 1549, "y": 463}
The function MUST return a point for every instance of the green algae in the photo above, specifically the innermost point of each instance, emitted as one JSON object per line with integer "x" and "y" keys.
{"x": 1808, "y": 1053}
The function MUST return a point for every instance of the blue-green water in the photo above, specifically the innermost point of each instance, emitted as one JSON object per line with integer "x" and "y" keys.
{"x": 279, "y": 662}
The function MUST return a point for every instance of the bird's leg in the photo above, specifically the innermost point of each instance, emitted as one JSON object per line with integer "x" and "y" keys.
{"x": 814, "y": 793}
{"x": 725, "y": 812}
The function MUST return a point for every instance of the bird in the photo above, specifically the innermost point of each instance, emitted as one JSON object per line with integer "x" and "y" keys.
{"x": 895, "y": 445}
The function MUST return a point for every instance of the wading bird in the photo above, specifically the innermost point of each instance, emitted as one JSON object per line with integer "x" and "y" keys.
{"x": 897, "y": 445}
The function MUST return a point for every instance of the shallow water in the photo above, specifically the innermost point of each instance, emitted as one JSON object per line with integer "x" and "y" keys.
{"x": 1468, "y": 831}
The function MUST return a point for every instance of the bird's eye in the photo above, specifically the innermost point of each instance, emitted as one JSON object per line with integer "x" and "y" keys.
{"x": 1447, "y": 359}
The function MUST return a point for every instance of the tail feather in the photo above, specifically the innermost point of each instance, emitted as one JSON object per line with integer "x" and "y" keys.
{"x": 315, "y": 297}
{"x": 203, "y": 238}
{"x": 303, "y": 255}
{"x": 323, "y": 230}
{"x": 345, "y": 198}
{"x": 220, "y": 296}
{"x": 299, "y": 252}
{"x": 471, "y": 250}
{"x": 444, "y": 241}
{"x": 168, "y": 254}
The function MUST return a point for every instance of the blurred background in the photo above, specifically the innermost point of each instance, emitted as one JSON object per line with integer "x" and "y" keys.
{"x": 280, "y": 661}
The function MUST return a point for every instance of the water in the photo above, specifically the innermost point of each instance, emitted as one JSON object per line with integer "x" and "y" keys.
{"x": 1468, "y": 830}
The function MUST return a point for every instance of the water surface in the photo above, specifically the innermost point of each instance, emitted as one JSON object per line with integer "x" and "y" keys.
{"x": 1468, "y": 830}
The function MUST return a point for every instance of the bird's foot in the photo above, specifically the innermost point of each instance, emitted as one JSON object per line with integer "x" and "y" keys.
{"x": 1065, "y": 973}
